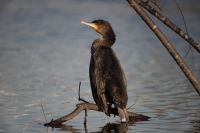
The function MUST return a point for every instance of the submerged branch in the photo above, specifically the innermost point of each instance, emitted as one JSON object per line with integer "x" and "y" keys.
{"x": 167, "y": 21}
{"x": 193, "y": 80}
{"x": 90, "y": 106}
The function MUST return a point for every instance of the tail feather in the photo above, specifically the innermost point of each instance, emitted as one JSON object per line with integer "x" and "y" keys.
{"x": 123, "y": 115}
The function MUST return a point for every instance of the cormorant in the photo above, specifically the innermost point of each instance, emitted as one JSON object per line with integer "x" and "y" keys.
{"x": 107, "y": 78}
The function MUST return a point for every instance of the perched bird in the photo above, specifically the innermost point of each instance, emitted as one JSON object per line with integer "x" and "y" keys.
{"x": 107, "y": 79}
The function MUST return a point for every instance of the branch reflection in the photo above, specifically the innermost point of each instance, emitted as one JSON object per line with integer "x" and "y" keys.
{"x": 108, "y": 128}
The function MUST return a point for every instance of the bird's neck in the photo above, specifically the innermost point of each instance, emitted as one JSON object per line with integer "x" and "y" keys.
{"x": 102, "y": 42}
{"x": 110, "y": 39}
{"x": 106, "y": 41}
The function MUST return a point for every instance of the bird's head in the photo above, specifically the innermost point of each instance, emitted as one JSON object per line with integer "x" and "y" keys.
{"x": 101, "y": 26}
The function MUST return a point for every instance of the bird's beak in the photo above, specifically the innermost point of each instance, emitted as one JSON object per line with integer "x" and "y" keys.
{"x": 93, "y": 25}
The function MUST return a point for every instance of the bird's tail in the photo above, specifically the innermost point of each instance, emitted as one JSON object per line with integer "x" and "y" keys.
{"x": 123, "y": 114}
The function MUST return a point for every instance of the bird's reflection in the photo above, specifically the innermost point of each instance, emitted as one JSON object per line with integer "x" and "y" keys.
{"x": 196, "y": 127}
{"x": 108, "y": 128}
{"x": 116, "y": 128}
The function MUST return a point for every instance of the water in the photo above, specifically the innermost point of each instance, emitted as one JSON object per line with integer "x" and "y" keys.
{"x": 45, "y": 53}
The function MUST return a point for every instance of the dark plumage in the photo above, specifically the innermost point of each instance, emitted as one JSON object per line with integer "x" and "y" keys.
{"x": 107, "y": 79}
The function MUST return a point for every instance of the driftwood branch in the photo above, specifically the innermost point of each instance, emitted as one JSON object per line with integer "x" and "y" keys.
{"x": 193, "y": 80}
{"x": 90, "y": 106}
{"x": 167, "y": 21}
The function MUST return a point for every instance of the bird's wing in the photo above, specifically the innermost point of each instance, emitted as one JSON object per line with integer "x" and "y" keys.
{"x": 116, "y": 81}
{"x": 101, "y": 71}
{"x": 107, "y": 73}
{"x": 98, "y": 74}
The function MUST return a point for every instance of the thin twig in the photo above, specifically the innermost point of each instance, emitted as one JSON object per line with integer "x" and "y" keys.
{"x": 43, "y": 110}
{"x": 187, "y": 52}
{"x": 132, "y": 104}
{"x": 192, "y": 63}
{"x": 79, "y": 91}
{"x": 167, "y": 22}
{"x": 155, "y": 3}
{"x": 190, "y": 48}
{"x": 182, "y": 16}
{"x": 163, "y": 4}
{"x": 79, "y": 98}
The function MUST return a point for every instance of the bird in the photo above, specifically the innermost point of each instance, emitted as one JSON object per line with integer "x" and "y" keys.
{"x": 107, "y": 79}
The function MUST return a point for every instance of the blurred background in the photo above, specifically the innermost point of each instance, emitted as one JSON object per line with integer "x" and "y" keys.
{"x": 45, "y": 53}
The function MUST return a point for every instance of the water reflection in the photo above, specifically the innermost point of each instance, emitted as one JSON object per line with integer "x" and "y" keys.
{"x": 117, "y": 128}
{"x": 108, "y": 128}
{"x": 64, "y": 127}
{"x": 196, "y": 126}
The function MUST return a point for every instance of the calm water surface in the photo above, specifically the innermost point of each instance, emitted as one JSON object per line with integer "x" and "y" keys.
{"x": 45, "y": 52}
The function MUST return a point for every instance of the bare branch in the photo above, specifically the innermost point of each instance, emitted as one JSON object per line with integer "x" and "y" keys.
{"x": 132, "y": 104}
{"x": 193, "y": 80}
{"x": 165, "y": 20}
{"x": 90, "y": 106}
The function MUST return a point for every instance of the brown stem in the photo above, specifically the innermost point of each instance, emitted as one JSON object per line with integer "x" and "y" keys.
{"x": 193, "y": 80}
{"x": 79, "y": 97}
{"x": 167, "y": 21}
{"x": 90, "y": 106}
{"x": 155, "y": 3}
